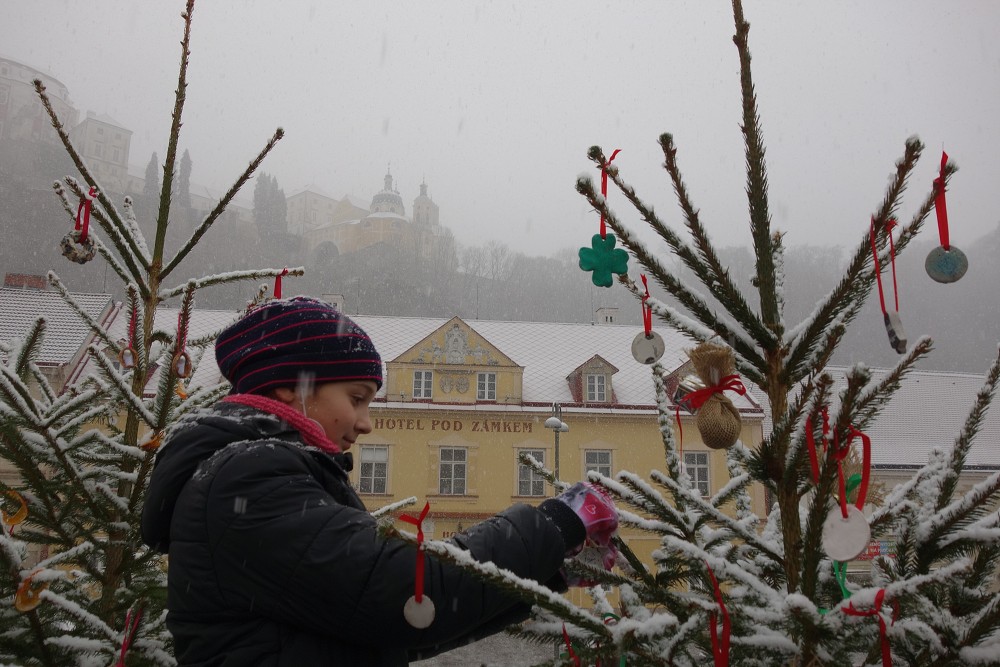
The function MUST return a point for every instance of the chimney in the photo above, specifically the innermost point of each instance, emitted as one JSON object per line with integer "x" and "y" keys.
{"x": 336, "y": 300}
{"x": 606, "y": 315}
{"x": 25, "y": 281}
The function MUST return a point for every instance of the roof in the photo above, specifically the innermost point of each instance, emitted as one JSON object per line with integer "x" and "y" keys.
{"x": 929, "y": 411}
{"x": 65, "y": 330}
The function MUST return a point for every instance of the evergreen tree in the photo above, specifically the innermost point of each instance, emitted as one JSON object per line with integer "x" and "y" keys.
{"x": 86, "y": 589}
{"x": 269, "y": 206}
{"x": 733, "y": 587}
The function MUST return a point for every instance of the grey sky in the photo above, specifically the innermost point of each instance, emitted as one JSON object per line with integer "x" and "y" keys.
{"x": 495, "y": 104}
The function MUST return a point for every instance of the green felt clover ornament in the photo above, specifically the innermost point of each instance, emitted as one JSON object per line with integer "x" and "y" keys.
{"x": 604, "y": 259}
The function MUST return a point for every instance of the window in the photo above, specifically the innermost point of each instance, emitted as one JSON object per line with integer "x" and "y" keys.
{"x": 598, "y": 460}
{"x": 423, "y": 383}
{"x": 530, "y": 483}
{"x": 451, "y": 471}
{"x": 100, "y": 131}
{"x": 98, "y": 150}
{"x": 595, "y": 389}
{"x": 696, "y": 464}
{"x": 487, "y": 387}
{"x": 4, "y": 93}
{"x": 374, "y": 469}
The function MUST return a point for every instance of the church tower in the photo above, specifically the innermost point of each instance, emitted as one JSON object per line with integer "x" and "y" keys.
{"x": 425, "y": 211}
{"x": 388, "y": 199}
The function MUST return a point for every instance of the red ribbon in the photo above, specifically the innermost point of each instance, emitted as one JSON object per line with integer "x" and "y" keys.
{"x": 729, "y": 383}
{"x": 131, "y": 626}
{"x": 941, "y": 205}
{"x": 720, "y": 647}
{"x": 680, "y": 434}
{"x": 418, "y": 591}
{"x": 569, "y": 648}
{"x": 277, "y": 282}
{"x": 604, "y": 188}
{"x": 181, "y": 332}
{"x": 839, "y": 454}
{"x": 83, "y": 211}
{"x": 892, "y": 258}
{"x": 647, "y": 310}
{"x": 877, "y": 612}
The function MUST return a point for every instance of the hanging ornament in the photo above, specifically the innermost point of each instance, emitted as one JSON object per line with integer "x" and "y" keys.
{"x": 419, "y": 608}
{"x": 569, "y": 653}
{"x": 602, "y": 257}
{"x": 893, "y": 325}
{"x": 181, "y": 363}
{"x": 29, "y": 594}
{"x": 846, "y": 533}
{"x": 126, "y": 358}
{"x": 946, "y": 263}
{"x": 648, "y": 346}
{"x": 11, "y": 520}
{"x": 179, "y": 391}
{"x": 717, "y": 419}
{"x": 77, "y": 246}
{"x": 277, "y": 282}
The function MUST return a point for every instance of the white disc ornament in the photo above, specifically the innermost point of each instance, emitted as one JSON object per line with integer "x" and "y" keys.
{"x": 894, "y": 327}
{"x": 946, "y": 265}
{"x": 419, "y": 614}
{"x": 845, "y": 539}
{"x": 647, "y": 348}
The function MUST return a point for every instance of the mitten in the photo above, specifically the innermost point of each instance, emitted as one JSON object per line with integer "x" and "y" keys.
{"x": 594, "y": 509}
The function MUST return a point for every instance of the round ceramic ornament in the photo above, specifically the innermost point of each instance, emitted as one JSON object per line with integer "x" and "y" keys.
{"x": 74, "y": 250}
{"x": 946, "y": 265}
{"x": 28, "y": 595}
{"x": 845, "y": 539}
{"x": 647, "y": 348}
{"x": 419, "y": 614}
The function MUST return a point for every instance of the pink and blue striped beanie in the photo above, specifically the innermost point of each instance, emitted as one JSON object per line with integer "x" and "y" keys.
{"x": 288, "y": 341}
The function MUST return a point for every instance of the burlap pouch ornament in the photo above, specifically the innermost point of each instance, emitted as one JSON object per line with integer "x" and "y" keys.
{"x": 717, "y": 419}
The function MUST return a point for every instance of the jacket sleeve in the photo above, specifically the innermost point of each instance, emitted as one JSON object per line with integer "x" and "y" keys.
{"x": 283, "y": 547}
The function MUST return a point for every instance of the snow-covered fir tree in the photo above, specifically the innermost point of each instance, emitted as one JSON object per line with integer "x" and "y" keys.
{"x": 729, "y": 586}
{"x": 77, "y": 584}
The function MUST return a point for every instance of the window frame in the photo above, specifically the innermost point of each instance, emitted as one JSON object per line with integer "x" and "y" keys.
{"x": 373, "y": 477}
{"x": 525, "y": 475}
{"x": 451, "y": 466}
{"x": 596, "y": 394}
{"x": 423, "y": 388}
{"x": 483, "y": 390}
{"x": 695, "y": 468}
{"x": 598, "y": 467}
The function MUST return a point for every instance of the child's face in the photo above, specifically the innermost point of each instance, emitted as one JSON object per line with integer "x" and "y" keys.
{"x": 341, "y": 409}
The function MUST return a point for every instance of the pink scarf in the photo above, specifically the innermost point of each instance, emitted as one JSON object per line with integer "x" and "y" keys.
{"x": 311, "y": 432}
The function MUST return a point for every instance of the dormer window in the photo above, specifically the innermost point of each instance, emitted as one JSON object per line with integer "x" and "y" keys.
{"x": 423, "y": 384}
{"x": 596, "y": 388}
{"x": 486, "y": 387}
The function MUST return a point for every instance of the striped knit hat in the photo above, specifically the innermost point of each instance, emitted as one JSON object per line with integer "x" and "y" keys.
{"x": 288, "y": 341}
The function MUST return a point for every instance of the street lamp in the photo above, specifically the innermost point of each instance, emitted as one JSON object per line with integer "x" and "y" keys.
{"x": 558, "y": 426}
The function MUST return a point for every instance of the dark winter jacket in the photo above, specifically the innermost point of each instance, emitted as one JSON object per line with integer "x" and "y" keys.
{"x": 275, "y": 561}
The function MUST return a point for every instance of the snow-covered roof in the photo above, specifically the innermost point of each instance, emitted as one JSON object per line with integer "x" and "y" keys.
{"x": 927, "y": 412}
{"x": 311, "y": 188}
{"x": 357, "y": 202}
{"x": 65, "y": 330}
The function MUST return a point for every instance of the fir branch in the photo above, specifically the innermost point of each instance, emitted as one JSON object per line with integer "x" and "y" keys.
{"x": 225, "y": 278}
{"x": 134, "y": 231}
{"x": 969, "y": 430}
{"x": 113, "y": 222}
{"x": 98, "y": 330}
{"x": 717, "y": 277}
{"x": 180, "y": 94}
{"x": 221, "y": 205}
{"x": 760, "y": 217}
{"x": 136, "y": 406}
{"x": 870, "y": 403}
{"x": 393, "y": 507}
{"x": 526, "y": 589}
{"x": 749, "y": 536}
{"x": 30, "y": 344}
{"x": 978, "y": 500}
{"x": 843, "y": 302}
